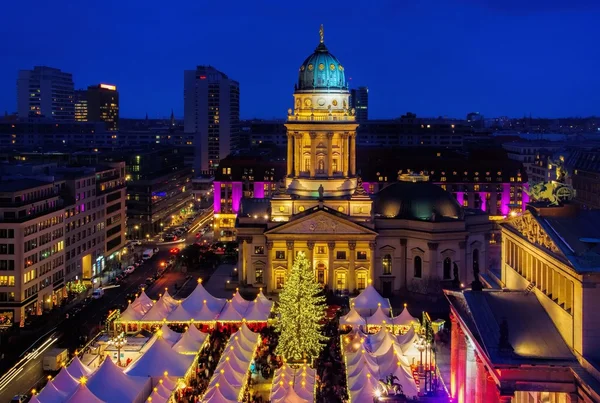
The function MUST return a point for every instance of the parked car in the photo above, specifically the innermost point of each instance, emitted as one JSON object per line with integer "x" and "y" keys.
{"x": 19, "y": 399}
{"x": 129, "y": 269}
{"x": 98, "y": 293}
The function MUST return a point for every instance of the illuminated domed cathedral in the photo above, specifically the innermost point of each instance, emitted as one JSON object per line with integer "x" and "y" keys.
{"x": 411, "y": 236}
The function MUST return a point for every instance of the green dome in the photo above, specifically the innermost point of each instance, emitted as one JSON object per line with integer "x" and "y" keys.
{"x": 321, "y": 71}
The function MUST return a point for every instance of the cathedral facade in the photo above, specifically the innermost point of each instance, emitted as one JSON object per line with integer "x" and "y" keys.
{"x": 408, "y": 236}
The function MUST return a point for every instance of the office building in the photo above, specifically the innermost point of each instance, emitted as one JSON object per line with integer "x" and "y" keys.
{"x": 45, "y": 92}
{"x": 211, "y": 114}
{"x": 99, "y": 103}
{"x": 359, "y": 100}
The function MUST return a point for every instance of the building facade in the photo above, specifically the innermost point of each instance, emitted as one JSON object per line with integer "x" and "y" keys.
{"x": 359, "y": 100}
{"x": 410, "y": 236}
{"x": 45, "y": 92}
{"x": 211, "y": 114}
{"x": 99, "y": 103}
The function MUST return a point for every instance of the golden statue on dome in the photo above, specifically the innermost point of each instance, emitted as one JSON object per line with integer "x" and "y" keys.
{"x": 322, "y": 33}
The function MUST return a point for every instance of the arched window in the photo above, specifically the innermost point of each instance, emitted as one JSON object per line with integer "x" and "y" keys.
{"x": 475, "y": 260}
{"x": 418, "y": 265}
{"x": 447, "y": 268}
{"x": 307, "y": 164}
{"x": 387, "y": 264}
{"x": 321, "y": 166}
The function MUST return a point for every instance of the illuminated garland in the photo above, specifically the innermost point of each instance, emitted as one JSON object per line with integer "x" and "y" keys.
{"x": 300, "y": 312}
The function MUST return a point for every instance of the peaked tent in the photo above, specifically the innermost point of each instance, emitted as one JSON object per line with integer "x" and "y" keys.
{"x": 77, "y": 369}
{"x": 50, "y": 394}
{"x": 195, "y": 301}
{"x": 215, "y": 395}
{"x": 137, "y": 309}
{"x": 257, "y": 312}
{"x": 34, "y": 399}
{"x": 352, "y": 318}
{"x": 404, "y": 319}
{"x": 379, "y": 318}
{"x": 84, "y": 395}
{"x": 229, "y": 313}
{"x": 65, "y": 382}
{"x": 160, "y": 358}
{"x": 170, "y": 335}
{"x": 368, "y": 301}
{"x": 123, "y": 388}
{"x": 191, "y": 342}
{"x": 161, "y": 309}
{"x": 240, "y": 304}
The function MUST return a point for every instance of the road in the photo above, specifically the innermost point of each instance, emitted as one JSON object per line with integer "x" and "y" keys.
{"x": 71, "y": 331}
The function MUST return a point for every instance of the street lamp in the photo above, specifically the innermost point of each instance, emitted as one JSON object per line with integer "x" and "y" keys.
{"x": 119, "y": 342}
{"x": 420, "y": 345}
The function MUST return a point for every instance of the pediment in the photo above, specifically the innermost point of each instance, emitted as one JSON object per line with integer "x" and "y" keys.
{"x": 320, "y": 222}
{"x": 528, "y": 226}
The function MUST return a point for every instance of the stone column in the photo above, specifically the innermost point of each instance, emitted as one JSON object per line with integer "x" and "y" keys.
{"x": 290, "y": 254}
{"x": 290, "y": 154}
{"x": 491, "y": 390}
{"x": 352, "y": 156}
{"x": 351, "y": 272}
{"x": 311, "y": 248}
{"x": 433, "y": 247}
{"x": 372, "y": 246}
{"x": 454, "y": 335}
{"x": 481, "y": 382}
{"x": 505, "y": 398}
{"x": 271, "y": 277}
{"x": 313, "y": 154}
{"x": 572, "y": 398}
{"x": 461, "y": 367}
{"x": 471, "y": 372}
{"x": 344, "y": 154}
{"x": 297, "y": 154}
{"x": 330, "y": 250}
{"x": 330, "y": 154}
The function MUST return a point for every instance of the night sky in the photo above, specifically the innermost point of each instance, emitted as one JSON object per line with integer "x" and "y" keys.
{"x": 434, "y": 58}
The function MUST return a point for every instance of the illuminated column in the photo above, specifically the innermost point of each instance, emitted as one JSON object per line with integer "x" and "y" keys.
{"x": 352, "y": 139}
{"x": 372, "y": 245}
{"x": 243, "y": 258}
{"x": 290, "y": 254}
{"x": 471, "y": 372}
{"x": 271, "y": 276}
{"x": 505, "y": 399}
{"x": 217, "y": 197}
{"x": 290, "y": 153}
{"x": 311, "y": 255}
{"x": 483, "y": 198}
{"x": 330, "y": 249}
{"x": 330, "y": 154}
{"x": 344, "y": 154}
{"x": 491, "y": 389}
{"x": 481, "y": 382}
{"x": 236, "y": 196}
{"x": 454, "y": 335}
{"x": 461, "y": 368}
{"x": 572, "y": 398}
{"x": 313, "y": 154}
{"x": 351, "y": 273}
{"x": 297, "y": 154}
{"x": 433, "y": 246}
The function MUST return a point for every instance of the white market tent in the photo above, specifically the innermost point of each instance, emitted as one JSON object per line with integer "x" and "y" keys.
{"x": 241, "y": 305}
{"x": 65, "y": 382}
{"x": 137, "y": 309}
{"x": 230, "y": 375}
{"x": 51, "y": 394}
{"x": 293, "y": 385}
{"x": 191, "y": 342}
{"x": 161, "y": 309}
{"x": 352, "y": 318}
{"x": 379, "y": 318}
{"x": 230, "y": 313}
{"x": 160, "y": 357}
{"x": 405, "y": 318}
{"x": 84, "y": 395}
{"x": 200, "y": 297}
{"x": 34, "y": 399}
{"x": 77, "y": 369}
{"x": 367, "y": 302}
{"x": 123, "y": 388}
{"x": 168, "y": 334}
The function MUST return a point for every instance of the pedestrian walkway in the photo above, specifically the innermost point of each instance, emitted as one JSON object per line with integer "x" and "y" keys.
{"x": 218, "y": 280}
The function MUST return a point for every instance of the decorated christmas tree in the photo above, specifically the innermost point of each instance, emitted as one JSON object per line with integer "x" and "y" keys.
{"x": 301, "y": 309}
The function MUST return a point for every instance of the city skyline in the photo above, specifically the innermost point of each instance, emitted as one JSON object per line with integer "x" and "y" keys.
{"x": 497, "y": 60}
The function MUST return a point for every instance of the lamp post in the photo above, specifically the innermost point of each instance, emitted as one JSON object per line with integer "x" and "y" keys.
{"x": 119, "y": 342}
{"x": 136, "y": 228}
{"x": 420, "y": 345}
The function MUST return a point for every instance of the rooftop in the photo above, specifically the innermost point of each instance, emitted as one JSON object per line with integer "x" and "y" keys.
{"x": 21, "y": 184}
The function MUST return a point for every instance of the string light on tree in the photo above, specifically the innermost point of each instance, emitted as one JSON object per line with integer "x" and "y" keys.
{"x": 300, "y": 311}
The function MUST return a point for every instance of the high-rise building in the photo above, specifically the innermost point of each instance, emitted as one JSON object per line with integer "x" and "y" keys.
{"x": 212, "y": 114}
{"x": 45, "y": 92}
{"x": 99, "y": 103}
{"x": 359, "y": 100}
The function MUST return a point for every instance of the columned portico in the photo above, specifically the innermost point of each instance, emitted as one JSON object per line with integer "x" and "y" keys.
{"x": 330, "y": 276}
{"x": 351, "y": 268}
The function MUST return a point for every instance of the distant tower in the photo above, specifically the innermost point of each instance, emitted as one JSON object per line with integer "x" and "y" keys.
{"x": 172, "y": 118}
{"x": 46, "y": 91}
{"x": 211, "y": 114}
{"x": 359, "y": 99}
{"x": 321, "y": 130}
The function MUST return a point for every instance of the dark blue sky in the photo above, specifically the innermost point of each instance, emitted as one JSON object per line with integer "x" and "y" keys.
{"x": 431, "y": 57}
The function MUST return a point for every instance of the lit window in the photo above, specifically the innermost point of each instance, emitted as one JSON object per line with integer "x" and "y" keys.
{"x": 259, "y": 250}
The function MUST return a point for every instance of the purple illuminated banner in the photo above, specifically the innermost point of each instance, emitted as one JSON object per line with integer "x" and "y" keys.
{"x": 217, "y": 197}
{"x": 259, "y": 190}
{"x": 236, "y": 196}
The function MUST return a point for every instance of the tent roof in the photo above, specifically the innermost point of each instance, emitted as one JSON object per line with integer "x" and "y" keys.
{"x": 257, "y": 312}
{"x": 240, "y": 303}
{"x": 51, "y": 394}
{"x": 379, "y": 318}
{"x": 122, "y": 387}
{"x": 404, "y": 319}
{"x": 215, "y": 395}
{"x": 65, "y": 382}
{"x": 170, "y": 335}
{"x": 368, "y": 301}
{"x": 200, "y": 313}
{"x": 160, "y": 358}
{"x": 191, "y": 341}
{"x": 352, "y": 318}
{"x": 161, "y": 309}
{"x": 196, "y": 299}
{"x": 77, "y": 369}
{"x": 138, "y": 308}
{"x": 84, "y": 395}
{"x": 229, "y": 314}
